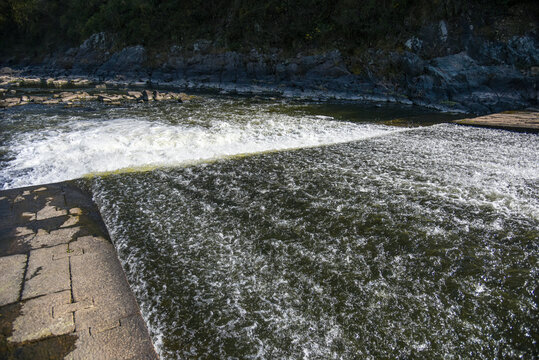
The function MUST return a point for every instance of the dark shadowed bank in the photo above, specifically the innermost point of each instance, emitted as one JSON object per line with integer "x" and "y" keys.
{"x": 478, "y": 57}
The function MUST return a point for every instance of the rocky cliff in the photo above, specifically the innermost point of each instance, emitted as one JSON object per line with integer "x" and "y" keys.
{"x": 444, "y": 67}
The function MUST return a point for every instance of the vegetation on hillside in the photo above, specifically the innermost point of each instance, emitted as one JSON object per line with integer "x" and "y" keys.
{"x": 47, "y": 25}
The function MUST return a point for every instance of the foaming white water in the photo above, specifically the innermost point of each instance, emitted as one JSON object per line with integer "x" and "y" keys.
{"x": 383, "y": 248}
{"x": 82, "y": 147}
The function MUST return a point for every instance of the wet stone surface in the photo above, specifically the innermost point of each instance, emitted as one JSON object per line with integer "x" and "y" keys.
{"x": 63, "y": 293}
{"x": 527, "y": 121}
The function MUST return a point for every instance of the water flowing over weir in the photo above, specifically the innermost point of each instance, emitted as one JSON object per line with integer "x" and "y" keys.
{"x": 44, "y": 148}
{"x": 398, "y": 243}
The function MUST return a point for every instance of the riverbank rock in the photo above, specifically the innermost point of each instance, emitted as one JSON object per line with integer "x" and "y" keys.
{"x": 91, "y": 54}
{"x": 73, "y": 97}
{"x": 129, "y": 61}
{"x": 447, "y": 65}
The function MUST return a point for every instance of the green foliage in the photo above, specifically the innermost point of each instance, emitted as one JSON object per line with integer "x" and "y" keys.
{"x": 234, "y": 24}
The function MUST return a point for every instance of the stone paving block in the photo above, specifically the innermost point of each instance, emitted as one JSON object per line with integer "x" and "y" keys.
{"x": 129, "y": 340}
{"x": 46, "y": 275}
{"x": 14, "y": 245}
{"x": 95, "y": 320}
{"x": 50, "y": 211}
{"x": 90, "y": 299}
{"x": 11, "y": 276}
{"x": 6, "y": 214}
{"x": 95, "y": 245}
{"x": 53, "y": 238}
{"x": 91, "y": 281}
{"x": 42, "y": 317}
{"x": 23, "y": 231}
{"x": 69, "y": 253}
{"x": 75, "y": 306}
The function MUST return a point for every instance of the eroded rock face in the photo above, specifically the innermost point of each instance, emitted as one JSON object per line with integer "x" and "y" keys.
{"x": 447, "y": 66}
{"x": 74, "y": 97}
{"x": 524, "y": 50}
{"x": 92, "y": 53}
{"x": 128, "y": 61}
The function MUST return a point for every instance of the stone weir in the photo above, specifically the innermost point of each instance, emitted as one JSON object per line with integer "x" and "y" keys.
{"x": 63, "y": 292}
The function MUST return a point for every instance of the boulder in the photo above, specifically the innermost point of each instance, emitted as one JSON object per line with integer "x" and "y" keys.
{"x": 59, "y": 83}
{"x": 70, "y": 97}
{"x": 157, "y": 96}
{"x": 204, "y": 68}
{"x": 147, "y": 95}
{"x": 129, "y": 60}
{"x": 330, "y": 64}
{"x": 135, "y": 94}
{"x": 38, "y": 99}
{"x": 91, "y": 54}
{"x": 9, "y": 102}
{"x": 411, "y": 64}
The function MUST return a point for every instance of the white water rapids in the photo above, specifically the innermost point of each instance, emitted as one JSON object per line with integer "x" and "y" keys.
{"x": 364, "y": 241}
{"x": 72, "y": 146}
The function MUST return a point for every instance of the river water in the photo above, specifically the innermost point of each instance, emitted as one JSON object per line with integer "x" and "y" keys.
{"x": 258, "y": 228}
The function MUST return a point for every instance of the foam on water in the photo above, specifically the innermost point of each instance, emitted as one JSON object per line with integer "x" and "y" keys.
{"x": 414, "y": 244}
{"x": 419, "y": 244}
{"x": 82, "y": 146}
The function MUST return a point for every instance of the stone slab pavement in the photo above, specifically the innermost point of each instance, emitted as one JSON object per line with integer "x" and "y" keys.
{"x": 63, "y": 292}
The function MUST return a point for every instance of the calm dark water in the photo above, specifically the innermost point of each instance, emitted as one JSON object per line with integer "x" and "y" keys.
{"x": 360, "y": 241}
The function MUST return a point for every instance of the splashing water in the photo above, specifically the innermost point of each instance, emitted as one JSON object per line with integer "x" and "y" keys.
{"x": 385, "y": 243}
{"x": 74, "y": 144}
{"x": 403, "y": 245}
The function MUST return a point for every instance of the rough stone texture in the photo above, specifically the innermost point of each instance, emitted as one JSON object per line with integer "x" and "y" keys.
{"x": 12, "y": 273}
{"x": 522, "y": 120}
{"x": 42, "y": 317}
{"x": 111, "y": 296}
{"x": 128, "y": 60}
{"x": 46, "y": 275}
{"x": 74, "y": 285}
{"x": 125, "y": 341}
{"x": 49, "y": 212}
{"x": 5, "y": 212}
{"x": 71, "y": 221}
{"x": 53, "y": 238}
{"x": 23, "y": 231}
{"x": 449, "y": 67}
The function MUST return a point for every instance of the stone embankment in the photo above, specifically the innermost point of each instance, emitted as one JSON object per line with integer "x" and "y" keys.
{"x": 63, "y": 293}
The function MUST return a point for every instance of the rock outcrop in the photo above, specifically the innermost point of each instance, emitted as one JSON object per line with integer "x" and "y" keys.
{"x": 76, "y": 97}
{"x": 471, "y": 74}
